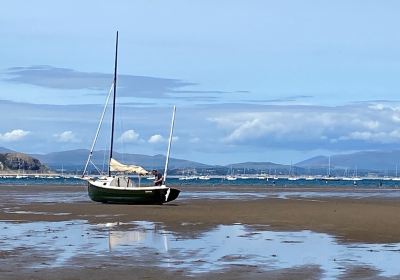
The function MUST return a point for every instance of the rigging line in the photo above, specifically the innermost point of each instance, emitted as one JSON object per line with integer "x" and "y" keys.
{"x": 98, "y": 129}
{"x": 104, "y": 160}
{"x": 98, "y": 170}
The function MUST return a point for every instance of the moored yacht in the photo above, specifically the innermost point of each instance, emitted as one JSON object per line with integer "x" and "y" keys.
{"x": 117, "y": 186}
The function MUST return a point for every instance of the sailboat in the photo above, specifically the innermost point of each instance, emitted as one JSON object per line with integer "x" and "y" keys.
{"x": 244, "y": 175}
{"x": 231, "y": 177}
{"x": 396, "y": 178}
{"x": 355, "y": 177}
{"x": 329, "y": 176}
{"x": 19, "y": 176}
{"x": 291, "y": 175}
{"x": 117, "y": 188}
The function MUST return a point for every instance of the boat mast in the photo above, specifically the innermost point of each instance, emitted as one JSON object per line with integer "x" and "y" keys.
{"x": 329, "y": 166}
{"x": 169, "y": 146}
{"x": 113, "y": 108}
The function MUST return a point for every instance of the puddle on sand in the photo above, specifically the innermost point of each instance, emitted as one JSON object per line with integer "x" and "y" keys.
{"x": 219, "y": 248}
{"x": 10, "y": 211}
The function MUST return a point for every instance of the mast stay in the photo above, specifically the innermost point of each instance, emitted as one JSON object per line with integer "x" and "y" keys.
{"x": 89, "y": 160}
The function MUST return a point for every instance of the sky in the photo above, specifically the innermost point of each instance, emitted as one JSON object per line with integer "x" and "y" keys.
{"x": 276, "y": 81}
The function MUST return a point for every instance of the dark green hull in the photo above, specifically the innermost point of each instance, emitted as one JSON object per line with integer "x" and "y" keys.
{"x": 156, "y": 196}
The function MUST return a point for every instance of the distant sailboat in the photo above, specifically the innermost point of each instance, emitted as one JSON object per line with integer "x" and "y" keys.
{"x": 396, "y": 178}
{"x": 19, "y": 175}
{"x": 244, "y": 176}
{"x": 231, "y": 177}
{"x": 356, "y": 177}
{"x": 188, "y": 176}
{"x": 329, "y": 176}
{"x": 291, "y": 173}
{"x": 262, "y": 176}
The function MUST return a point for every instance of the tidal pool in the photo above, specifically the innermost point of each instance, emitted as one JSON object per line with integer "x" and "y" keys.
{"x": 219, "y": 248}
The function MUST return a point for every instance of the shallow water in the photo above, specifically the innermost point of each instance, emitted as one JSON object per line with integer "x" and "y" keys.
{"x": 281, "y": 182}
{"x": 212, "y": 189}
{"x": 26, "y": 196}
{"x": 219, "y": 248}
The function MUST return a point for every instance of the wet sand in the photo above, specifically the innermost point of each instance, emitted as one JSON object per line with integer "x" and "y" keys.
{"x": 364, "y": 220}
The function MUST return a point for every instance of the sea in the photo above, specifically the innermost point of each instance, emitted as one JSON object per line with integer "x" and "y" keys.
{"x": 384, "y": 183}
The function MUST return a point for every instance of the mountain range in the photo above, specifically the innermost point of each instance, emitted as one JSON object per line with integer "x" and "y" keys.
{"x": 367, "y": 160}
{"x": 380, "y": 161}
{"x": 5, "y": 150}
{"x": 76, "y": 159}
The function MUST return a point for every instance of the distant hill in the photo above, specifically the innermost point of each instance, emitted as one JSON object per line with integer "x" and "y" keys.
{"x": 76, "y": 159}
{"x": 369, "y": 160}
{"x": 380, "y": 161}
{"x": 265, "y": 167}
{"x": 258, "y": 165}
{"x": 5, "y": 150}
{"x": 12, "y": 161}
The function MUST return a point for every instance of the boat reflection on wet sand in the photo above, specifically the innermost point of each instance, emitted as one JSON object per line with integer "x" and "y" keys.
{"x": 212, "y": 250}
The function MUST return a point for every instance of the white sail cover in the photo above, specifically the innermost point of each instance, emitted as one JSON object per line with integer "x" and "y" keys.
{"x": 116, "y": 166}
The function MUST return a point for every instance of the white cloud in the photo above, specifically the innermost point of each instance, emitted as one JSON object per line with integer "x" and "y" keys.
{"x": 14, "y": 135}
{"x": 371, "y": 124}
{"x": 66, "y": 137}
{"x": 396, "y": 118}
{"x": 157, "y": 138}
{"x": 377, "y": 106}
{"x": 230, "y": 129}
{"x": 280, "y": 126}
{"x": 311, "y": 127}
{"x": 253, "y": 128}
{"x": 129, "y": 136}
{"x": 376, "y": 137}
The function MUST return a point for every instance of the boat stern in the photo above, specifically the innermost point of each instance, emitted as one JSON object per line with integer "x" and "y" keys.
{"x": 171, "y": 194}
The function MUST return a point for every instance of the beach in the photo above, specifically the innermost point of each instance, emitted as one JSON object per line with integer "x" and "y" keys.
{"x": 350, "y": 217}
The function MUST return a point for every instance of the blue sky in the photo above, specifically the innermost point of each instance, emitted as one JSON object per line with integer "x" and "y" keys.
{"x": 253, "y": 80}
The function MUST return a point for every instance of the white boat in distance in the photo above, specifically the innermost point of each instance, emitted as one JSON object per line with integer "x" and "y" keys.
{"x": 293, "y": 178}
{"x": 192, "y": 177}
